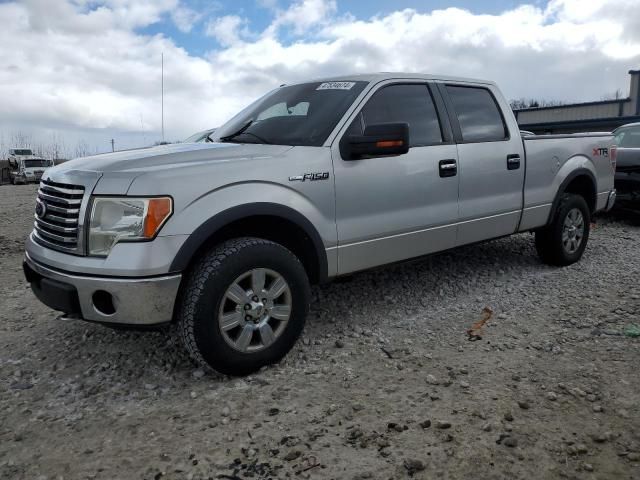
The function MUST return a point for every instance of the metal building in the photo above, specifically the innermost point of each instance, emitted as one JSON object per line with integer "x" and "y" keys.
{"x": 603, "y": 116}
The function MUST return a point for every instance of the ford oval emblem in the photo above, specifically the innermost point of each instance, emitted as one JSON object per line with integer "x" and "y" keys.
{"x": 41, "y": 208}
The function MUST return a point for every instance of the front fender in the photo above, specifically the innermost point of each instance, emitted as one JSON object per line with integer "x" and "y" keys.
{"x": 209, "y": 213}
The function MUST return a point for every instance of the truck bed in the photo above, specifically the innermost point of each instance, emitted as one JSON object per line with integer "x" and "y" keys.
{"x": 550, "y": 158}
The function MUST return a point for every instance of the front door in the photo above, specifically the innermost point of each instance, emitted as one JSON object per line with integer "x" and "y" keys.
{"x": 397, "y": 207}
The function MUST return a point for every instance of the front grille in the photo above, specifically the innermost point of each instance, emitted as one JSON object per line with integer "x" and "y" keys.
{"x": 58, "y": 227}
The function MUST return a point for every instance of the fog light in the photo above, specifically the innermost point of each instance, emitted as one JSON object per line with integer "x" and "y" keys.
{"x": 103, "y": 302}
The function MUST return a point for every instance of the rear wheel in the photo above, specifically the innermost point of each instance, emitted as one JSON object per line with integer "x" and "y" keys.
{"x": 244, "y": 306}
{"x": 563, "y": 242}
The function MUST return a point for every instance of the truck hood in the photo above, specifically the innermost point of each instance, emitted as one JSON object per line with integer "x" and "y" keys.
{"x": 163, "y": 157}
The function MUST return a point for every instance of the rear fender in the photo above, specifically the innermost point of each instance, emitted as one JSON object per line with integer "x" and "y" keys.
{"x": 574, "y": 168}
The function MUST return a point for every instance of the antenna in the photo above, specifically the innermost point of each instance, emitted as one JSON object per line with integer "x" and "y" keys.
{"x": 162, "y": 87}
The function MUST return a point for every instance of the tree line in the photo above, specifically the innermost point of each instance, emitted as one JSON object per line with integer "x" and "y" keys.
{"x": 53, "y": 148}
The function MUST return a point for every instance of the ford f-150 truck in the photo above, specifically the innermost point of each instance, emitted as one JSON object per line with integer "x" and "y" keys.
{"x": 312, "y": 181}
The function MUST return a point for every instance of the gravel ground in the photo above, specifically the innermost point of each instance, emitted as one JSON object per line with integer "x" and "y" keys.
{"x": 384, "y": 383}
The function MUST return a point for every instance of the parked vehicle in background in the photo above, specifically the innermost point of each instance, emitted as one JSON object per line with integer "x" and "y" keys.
{"x": 25, "y": 167}
{"x": 312, "y": 181}
{"x": 200, "y": 137}
{"x": 627, "y": 139}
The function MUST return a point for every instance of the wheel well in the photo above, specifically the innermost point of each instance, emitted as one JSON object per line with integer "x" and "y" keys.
{"x": 274, "y": 228}
{"x": 583, "y": 185}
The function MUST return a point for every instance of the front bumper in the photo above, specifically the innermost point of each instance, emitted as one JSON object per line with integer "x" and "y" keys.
{"x": 126, "y": 301}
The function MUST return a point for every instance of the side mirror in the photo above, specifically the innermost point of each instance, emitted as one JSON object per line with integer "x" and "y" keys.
{"x": 379, "y": 140}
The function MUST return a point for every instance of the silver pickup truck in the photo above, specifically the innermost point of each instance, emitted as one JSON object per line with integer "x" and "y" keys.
{"x": 312, "y": 181}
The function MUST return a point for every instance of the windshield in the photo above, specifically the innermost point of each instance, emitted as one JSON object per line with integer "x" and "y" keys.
{"x": 301, "y": 114}
{"x": 22, "y": 152}
{"x": 36, "y": 163}
{"x": 628, "y": 137}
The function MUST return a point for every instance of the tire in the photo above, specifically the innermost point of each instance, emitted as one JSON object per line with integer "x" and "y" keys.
{"x": 563, "y": 242}
{"x": 213, "y": 319}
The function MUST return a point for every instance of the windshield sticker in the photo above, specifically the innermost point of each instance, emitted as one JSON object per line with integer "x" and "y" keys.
{"x": 336, "y": 86}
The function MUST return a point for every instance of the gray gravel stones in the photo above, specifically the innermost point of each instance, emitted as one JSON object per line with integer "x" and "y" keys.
{"x": 425, "y": 424}
{"x": 327, "y": 406}
{"x": 413, "y": 466}
{"x": 510, "y": 442}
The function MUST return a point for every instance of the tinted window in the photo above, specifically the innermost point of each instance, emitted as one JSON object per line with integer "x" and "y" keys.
{"x": 35, "y": 163}
{"x": 479, "y": 115}
{"x": 628, "y": 138}
{"x": 410, "y": 104}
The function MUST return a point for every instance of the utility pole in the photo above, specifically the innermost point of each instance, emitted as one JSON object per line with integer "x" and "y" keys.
{"x": 162, "y": 89}
{"x": 113, "y": 145}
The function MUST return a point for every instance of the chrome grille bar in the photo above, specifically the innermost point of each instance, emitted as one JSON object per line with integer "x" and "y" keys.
{"x": 57, "y": 226}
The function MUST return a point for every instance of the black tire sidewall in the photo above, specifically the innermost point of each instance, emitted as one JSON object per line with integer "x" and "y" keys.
{"x": 568, "y": 203}
{"x": 209, "y": 339}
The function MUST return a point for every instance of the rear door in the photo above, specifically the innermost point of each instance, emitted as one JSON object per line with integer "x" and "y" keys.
{"x": 490, "y": 159}
{"x": 391, "y": 208}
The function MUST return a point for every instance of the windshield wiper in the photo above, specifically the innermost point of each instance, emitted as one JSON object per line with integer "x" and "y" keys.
{"x": 226, "y": 138}
{"x": 242, "y": 131}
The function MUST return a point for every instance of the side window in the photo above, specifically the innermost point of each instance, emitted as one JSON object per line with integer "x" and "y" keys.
{"x": 402, "y": 103}
{"x": 478, "y": 114}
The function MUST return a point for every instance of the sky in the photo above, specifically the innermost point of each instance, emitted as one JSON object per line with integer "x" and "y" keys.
{"x": 81, "y": 72}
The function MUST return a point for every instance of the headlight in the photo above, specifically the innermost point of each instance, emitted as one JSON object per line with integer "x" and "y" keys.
{"x": 125, "y": 219}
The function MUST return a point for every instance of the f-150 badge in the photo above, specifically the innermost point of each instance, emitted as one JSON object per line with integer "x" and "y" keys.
{"x": 312, "y": 177}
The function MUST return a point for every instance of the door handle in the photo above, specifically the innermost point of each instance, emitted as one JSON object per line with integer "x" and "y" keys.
{"x": 448, "y": 168}
{"x": 513, "y": 161}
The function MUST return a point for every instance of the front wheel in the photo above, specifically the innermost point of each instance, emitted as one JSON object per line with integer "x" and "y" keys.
{"x": 563, "y": 242}
{"x": 244, "y": 306}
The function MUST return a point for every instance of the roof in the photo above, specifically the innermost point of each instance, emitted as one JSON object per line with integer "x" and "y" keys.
{"x": 571, "y": 105}
{"x": 636, "y": 124}
{"x": 616, "y": 122}
{"x": 381, "y": 76}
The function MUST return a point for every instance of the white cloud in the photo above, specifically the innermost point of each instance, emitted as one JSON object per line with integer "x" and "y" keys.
{"x": 227, "y": 30}
{"x": 185, "y": 18}
{"x": 304, "y": 14}
{"x": 81, "y": 66}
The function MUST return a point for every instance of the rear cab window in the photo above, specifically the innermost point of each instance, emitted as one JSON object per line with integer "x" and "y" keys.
{"x": 478, "y": 114}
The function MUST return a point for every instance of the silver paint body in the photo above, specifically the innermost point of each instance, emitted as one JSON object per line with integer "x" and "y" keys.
{"x": 369, "y": 212}
{"x": 628, "y": 172}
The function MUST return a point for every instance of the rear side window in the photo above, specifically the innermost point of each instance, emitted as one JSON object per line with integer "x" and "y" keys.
{"x": 410, "y": 104}
{"x": 478, "y": 114}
